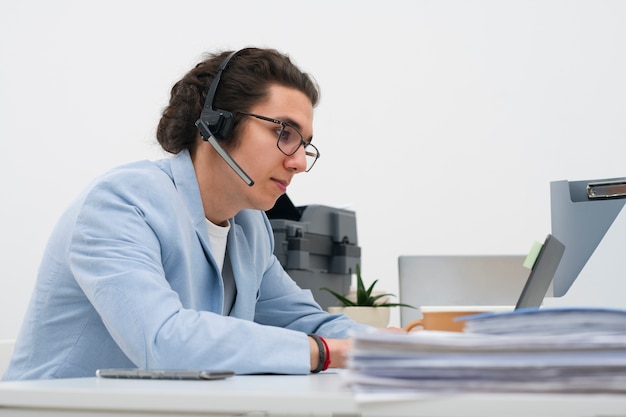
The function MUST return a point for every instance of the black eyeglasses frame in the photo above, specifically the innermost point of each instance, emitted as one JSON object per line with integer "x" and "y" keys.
{"x": 283, "y": 124}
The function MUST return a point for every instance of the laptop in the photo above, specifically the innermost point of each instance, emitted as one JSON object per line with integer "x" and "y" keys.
{"x": 476, "y": 280}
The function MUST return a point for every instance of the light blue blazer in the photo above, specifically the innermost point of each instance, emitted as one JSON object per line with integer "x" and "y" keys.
{"x": 127, "y": 280}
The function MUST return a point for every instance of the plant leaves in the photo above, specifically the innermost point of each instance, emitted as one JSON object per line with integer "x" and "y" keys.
{"x": 371, "y": 288}
{"x": 393, "y": 305}
{"x": 364, "y": 296}
{"x": 361, "y": 294}
{"x": 379, "y": 296}
{"x": 345, "y": 301}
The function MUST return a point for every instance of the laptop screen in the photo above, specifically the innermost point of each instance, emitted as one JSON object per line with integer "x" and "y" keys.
{"x": 541, "y": 274}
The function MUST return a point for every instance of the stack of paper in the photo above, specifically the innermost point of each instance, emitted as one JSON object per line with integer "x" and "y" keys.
{"x": 550, "y": 321}
{"x": 539, "y": 350}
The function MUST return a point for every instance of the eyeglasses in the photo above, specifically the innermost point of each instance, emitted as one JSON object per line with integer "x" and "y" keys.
{"x": 290, "y": 139}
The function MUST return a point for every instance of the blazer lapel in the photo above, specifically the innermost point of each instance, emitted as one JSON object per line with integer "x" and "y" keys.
{"x": 244, "y": 273}
{"x": 186, "y": 183}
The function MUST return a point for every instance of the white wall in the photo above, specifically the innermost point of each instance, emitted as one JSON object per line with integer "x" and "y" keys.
{"x": 441, "y": 122}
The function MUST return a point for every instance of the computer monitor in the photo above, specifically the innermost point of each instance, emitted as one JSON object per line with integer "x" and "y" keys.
{"x": 459, "y": 280}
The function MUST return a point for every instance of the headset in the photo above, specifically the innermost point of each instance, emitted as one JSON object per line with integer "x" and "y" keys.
{"x": 215, "y": 125}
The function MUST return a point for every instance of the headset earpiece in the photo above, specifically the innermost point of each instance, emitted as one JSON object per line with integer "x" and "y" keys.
{"x": 216, "y": 123}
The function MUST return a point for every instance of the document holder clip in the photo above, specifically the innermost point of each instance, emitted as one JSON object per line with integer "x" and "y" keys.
{"x": 606, "y": 189}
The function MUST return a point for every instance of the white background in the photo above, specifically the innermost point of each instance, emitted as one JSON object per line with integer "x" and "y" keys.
{"x": 441, "y": 122}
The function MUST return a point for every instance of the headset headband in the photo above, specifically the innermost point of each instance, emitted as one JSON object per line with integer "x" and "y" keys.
{"x": 215, "y": 125}
{"x": 216, "y": 122}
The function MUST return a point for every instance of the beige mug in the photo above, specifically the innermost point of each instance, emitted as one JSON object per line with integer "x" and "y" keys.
{"x": 445, "y": 318}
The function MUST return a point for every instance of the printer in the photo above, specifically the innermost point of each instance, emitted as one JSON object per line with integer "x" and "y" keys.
{"x": 317, "y": 246}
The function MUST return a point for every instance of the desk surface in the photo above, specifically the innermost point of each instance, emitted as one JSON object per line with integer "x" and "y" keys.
{"x": 277, "y": 395}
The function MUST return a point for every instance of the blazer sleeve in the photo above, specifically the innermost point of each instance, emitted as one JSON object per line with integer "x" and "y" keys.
{"x": 127, "y": 252}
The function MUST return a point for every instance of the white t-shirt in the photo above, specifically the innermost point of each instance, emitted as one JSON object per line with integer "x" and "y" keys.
{"x": 218, "y": 236}
{"x": 217, "y": 241}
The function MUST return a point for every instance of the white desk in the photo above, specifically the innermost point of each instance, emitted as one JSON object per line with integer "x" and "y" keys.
{"x": 275, "y": 395}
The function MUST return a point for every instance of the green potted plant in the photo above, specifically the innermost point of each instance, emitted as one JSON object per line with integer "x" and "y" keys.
{"x": 367, "y": 306}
